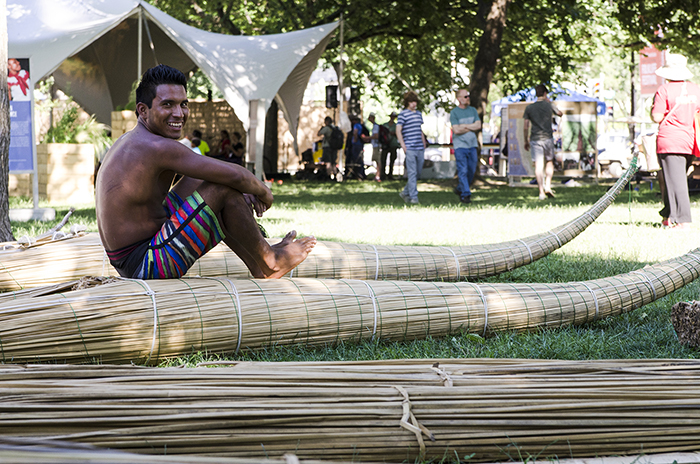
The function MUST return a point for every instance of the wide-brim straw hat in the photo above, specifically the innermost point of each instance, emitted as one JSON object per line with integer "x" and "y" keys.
{"x": 675, "y": 69}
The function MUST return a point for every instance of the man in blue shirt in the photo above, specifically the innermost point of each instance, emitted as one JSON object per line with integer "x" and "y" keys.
{"x": 465, "y": 123}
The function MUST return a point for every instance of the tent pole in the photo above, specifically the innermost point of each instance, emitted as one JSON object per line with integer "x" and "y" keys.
{"x": 341, "y": 100}
{"x": 260, "y": 140}
{"x": 256, "y": 136}
{"x": 340, "y": 78}
{"x": 140, "y": 44}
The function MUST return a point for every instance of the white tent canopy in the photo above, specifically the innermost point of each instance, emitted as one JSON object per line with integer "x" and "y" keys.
{"x": 92, "y": 49}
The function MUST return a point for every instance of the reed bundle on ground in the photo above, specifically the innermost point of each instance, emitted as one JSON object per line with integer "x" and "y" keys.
{"x": 387, "y": 411}
{"x": 72, "y": 259}
{"x": 28, "y": 451}
{"x": 144, "y": 321}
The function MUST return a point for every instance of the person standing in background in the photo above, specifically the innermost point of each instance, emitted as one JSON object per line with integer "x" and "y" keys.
{"x": 330, "y": 155}
{"x": 465, "y": 123}
{"x": 541, "y": 138}
{"x": 376, "y": 146}
{"x": 389, "y": 151}
{"x": 674, "y": 108}
{"x": 412, "y": 141}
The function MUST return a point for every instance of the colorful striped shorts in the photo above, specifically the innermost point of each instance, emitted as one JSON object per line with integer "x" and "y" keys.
{"x": 191, "y": 230}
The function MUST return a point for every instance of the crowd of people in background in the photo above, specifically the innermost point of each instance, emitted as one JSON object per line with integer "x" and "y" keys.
{"x": 228, "y": 149}
{"x": 675, "y": 105}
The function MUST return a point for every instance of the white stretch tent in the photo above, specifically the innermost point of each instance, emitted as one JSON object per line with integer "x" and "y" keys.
{"x": 92, "y": 49}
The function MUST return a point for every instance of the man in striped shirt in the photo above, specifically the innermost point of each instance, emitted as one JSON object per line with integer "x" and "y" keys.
{"x": 412, "y": 141}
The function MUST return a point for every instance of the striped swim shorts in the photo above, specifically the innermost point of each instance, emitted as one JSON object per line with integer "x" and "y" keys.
{"x": 190, "y": 231}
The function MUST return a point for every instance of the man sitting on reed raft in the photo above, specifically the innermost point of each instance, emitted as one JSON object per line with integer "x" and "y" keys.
{"x": 153, "y": 231}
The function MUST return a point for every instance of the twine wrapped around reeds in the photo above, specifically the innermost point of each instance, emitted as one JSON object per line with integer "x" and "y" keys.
{"x": 493, "y": 409}
{"x": 85, "y": 256}
{"x": 144, "y": 321}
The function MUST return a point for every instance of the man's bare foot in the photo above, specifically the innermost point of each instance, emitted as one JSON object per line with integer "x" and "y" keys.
{"x": 289, "y": 253}
{"x": 286, "y": 240}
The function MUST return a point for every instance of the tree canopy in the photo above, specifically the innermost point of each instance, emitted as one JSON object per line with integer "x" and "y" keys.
{"x": 420, "y": 45}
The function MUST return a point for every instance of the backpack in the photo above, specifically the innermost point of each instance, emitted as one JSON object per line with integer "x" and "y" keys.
{"x": 384, "y": 136}
{"x": 337, "y": 138}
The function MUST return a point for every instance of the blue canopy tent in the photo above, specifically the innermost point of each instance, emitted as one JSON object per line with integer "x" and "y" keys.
{"x": 557, "y": 94}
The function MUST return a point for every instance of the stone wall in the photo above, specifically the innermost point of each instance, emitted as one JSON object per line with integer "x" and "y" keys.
{"x": 66, "y": 173}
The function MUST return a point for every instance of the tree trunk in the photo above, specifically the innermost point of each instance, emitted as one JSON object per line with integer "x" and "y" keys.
{"x": 5, "y": 228}
{"x": 270, "y": 151}
{"x": 488, "y": 54}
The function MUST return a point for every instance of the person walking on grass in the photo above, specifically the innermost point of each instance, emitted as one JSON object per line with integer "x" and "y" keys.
{"x": 330, "y": 155}
{"x": 674, "y": 108}
{"x": 152, "y": 231}
{"x": 465, "y": 124}
{"x": 540, "y": 138}
{"x": 413, "y": 143}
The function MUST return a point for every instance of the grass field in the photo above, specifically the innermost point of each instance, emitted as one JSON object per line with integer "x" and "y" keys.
{"x": 626, "y": 237}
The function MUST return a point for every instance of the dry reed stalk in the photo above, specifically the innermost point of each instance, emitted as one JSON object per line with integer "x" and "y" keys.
{"x": 388, "y": 411}
{"x": 23, "y": 451}
{"x": 75, "y": 258}
{"x": 145, "y": 321}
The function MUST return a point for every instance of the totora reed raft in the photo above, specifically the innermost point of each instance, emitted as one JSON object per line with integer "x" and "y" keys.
{"x": 73, "y": 258}
{"x": 145, "y": 321}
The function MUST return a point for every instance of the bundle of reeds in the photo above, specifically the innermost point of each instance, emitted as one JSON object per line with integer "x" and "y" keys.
{"x": 144, "y": 321}
{"x": 28, "y": 451}
{"x": 384, "y": 411}
{"x": 72, "y": 259}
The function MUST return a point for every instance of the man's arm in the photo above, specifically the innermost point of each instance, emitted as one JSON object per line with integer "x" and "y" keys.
{"x": 460, "y": 129}
{"x": 399, "y": 136}
{"x": 526, "y": 133}
{"x": 176, "y": 157}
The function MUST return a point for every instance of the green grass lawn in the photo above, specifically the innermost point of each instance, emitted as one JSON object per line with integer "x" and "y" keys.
{"x": 627, "y": 236}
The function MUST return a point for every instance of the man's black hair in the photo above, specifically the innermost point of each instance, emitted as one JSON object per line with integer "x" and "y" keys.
{"x": 540, "y": 90}
{"x": 158, "y": 75}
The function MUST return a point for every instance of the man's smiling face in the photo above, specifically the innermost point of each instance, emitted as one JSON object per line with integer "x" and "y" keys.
{"x": 168, "y": 112}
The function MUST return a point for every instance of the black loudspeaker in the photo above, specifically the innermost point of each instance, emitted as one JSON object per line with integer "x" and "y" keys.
{"x": 331, "y": 96}
{"x": 354, "y": 102}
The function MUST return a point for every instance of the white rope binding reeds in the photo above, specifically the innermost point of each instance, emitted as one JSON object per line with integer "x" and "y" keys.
{"x": 84, "y": 256}
{"x": 363, "y": 411}
{"x": 114, "y": 322}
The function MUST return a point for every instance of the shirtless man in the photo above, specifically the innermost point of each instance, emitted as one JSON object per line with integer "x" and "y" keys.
{"x": 151, "y": 230}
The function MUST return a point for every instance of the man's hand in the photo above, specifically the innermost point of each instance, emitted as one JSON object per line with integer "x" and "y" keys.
{"x": 527, "y": 145}
{"x": 259, "y": 204}
{"x": 254, "y": 202}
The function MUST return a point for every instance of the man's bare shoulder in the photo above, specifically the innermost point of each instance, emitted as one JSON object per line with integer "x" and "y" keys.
{"x": 146, "y": 147}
